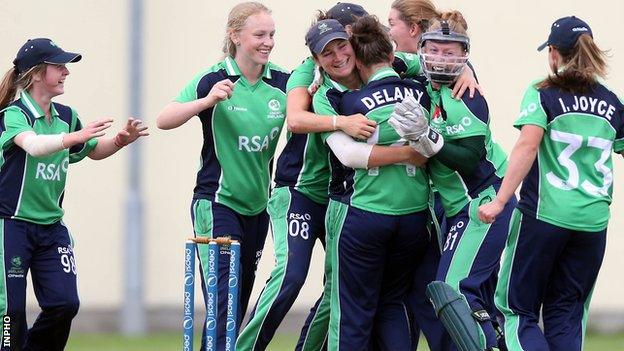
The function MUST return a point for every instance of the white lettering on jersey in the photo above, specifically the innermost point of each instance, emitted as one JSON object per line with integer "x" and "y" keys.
{"x": 276, "y": 111}
{"x": 51, "y": 171}
{"x": 589, "y": 105}
{"x": 236, "y": 108}
{"x": 529, "y": 109}
{"x": 257, "y": 143}
{"x": 384, "y": 96}
{"x": 455, "y": 129}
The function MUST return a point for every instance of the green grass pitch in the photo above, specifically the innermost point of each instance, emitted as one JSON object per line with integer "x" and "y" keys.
{"x": 172, "y": 341}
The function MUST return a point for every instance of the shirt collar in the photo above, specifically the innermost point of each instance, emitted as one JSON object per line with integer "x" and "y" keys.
{"x": 384, "y": 72}
{"x": 332, "y": 83}
{"x": 231, "y": 67}
{"x": 34, "y": 108}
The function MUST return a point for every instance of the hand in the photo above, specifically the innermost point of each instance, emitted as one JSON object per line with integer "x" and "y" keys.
{"x": 408, "y": 119}
{"x": 222, "y": 90}
{"x": 409, "y": 126}
{"x": 133, "y": 130}
{"x": 92, "y": 130}
{"x": 428, "y": 144}
{"x": 357, "y": 125}
{"x": 466, "y": 80}
{"x": 317, "y": 81}
{"x": 410, "y": 104}
{"x": 488, "y": 212}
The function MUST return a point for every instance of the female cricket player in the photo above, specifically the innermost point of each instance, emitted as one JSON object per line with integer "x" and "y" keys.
{"x": 39, "y": 138}
{"x": 466, "y": 166}
{"x": 298, "y": 203}
{"x": 300, "y": 199}
{"x": 300, "y": 120}
{"x": 241, "y": 104}
{"x": 376, "y": 231}
{"x": 408, "y": 20}
{"x": 569, "y": 125}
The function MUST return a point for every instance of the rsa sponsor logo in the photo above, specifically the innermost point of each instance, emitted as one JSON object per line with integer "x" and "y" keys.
{"x": 52, "y": 171}
{"x": 257, "y": 143}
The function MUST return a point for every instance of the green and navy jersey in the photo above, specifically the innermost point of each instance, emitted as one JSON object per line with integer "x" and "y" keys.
{"x": 571, "y": 181}
{"x": 32, "y": 188}
{"x": 394, "y": 189}
{"x": 240, "y": 135}
{"x": 304, "y": 162}
{"x": 302, "y": 76}
{"x": 407, "y": 64}
{"x": 457, "y": 119}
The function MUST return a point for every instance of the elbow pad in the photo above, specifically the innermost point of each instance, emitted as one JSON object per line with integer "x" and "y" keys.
{"x": 42, "y": 145}
{"x": 349, "y": 152}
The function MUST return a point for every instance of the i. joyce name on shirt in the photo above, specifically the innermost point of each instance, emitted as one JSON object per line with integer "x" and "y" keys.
{"x": 386, "y": 96}
{"x": 257, "y": 143}
{"x": 51, "y": 171}
{"x": 590, "y": 105}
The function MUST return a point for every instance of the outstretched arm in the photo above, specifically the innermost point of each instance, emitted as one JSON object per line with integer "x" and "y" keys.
{"x": 133, "y": 130}
{"x": 38, "y": 145}
{"x": 520, "y": 162}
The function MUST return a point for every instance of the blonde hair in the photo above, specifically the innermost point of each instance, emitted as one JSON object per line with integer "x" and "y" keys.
{"x": 236, "y": 20}
{"x": 582, "y": 65}
{"x": 416, "y": 12}
{"x": 13, "y": 82}
{"x": 456, "y": 21}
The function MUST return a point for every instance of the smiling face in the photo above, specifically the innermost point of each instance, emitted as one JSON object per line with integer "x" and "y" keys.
{"x": 255, "y": 39}
{"x": 52, "y": 81}
{"x": 443, "y": 61}
{"x": 337, "y": 59}
{"x": 402, "y": 34}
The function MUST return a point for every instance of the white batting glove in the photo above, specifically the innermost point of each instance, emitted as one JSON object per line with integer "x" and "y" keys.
{"x": 410, "y": 104}
{"x": 428, "y": 144}
{"x": 408, "y": 119}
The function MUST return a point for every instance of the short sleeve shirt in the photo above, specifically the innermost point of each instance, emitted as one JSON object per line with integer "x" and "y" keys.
{"x": 302, "y": 76}
{"x": 304, "y": 162}
{"x": 32, "y": 188}
{"x": 375, "y": 189}
{"x": 240, "y": 135}
{"x": 407, "y": 64}
{"x": 570, "y": 184}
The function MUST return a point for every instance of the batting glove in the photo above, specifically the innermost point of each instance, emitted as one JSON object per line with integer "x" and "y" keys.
{"x": 428, "y": 144}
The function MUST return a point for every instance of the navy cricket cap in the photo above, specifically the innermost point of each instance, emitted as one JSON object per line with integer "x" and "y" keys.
{"x": 42, "y": 50}
{"x": 346, "y": 13}
{"x": 322, "y": 32}
{"x": 565, "y": 32}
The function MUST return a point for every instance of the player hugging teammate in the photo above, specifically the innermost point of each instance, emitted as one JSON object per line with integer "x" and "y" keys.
{"x": 390, "y": 140}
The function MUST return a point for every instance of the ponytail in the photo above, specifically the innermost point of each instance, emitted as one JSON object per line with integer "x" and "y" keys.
{"x": 13, "y": 82}
{"x": 8, "y": 87}
{"x": 582, "y": 65}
